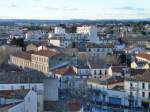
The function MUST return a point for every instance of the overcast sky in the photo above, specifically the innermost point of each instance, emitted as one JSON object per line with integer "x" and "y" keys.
{"x": 74, "y": 9}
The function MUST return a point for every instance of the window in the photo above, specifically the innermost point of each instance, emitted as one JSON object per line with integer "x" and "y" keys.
{"x": 149, "y": 86}
{"x": 143, "y": 94}
{"x": 143, "y": 85}
{"x": 131, "y": 85}
{"x": 89, "y": 50}
{"x": 22, "y": 87}
{"x": 98, "y": 50}
{"x": 100, "y": 72}
{"x": 60, "y": 59}
{"x": 105, "y": 72}
{"x": 149, "y": 95}
{"x": 95, "y": 72}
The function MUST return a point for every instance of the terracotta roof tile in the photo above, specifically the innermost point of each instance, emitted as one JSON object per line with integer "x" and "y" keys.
{"x": 144, "y": 55}
{"x": 47, "y": 53}
{"x": 74, "y": 106}
{"x": 145, "y": 77}
{"x": 24, "y": 55}
{"x": 65, "y": 71}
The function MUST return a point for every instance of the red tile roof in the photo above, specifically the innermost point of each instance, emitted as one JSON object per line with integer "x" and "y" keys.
{"x": 118, "y": 68}
{"x": 14, "y": 93}
{"x": 143, "y": 55}
{"x": 74, "y": 106}
{"x": 24, "y": 55}
{"x": 145, "y": 77}
{"x": 47, "y": 53}
{"x": 65, "y": 71}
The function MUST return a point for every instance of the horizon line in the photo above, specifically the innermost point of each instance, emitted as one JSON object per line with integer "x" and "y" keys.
{"x": 74, "y": 19}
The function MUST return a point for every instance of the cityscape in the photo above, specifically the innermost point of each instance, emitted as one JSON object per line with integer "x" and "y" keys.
{"x": 74, "y": 56}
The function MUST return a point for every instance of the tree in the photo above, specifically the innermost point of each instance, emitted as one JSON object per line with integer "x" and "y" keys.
{"x": 18, "y": 42}
{"x": 122, "y": 58}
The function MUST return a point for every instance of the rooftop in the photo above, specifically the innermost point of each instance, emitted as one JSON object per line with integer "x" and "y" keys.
{"x": 16, "y": 76}
{"x": 46, "y": 53}
{"x": 18, "y": 94}
{"x": 65, "y": 71}
{"x": 9, "y": 68}
{"x": 5, "y": 108}
{"x": 118, "y": 68}
{"x": 24, "y": 55}
{"x": 144, "y": 55}
{"x": 145, "y": 77}
{"x": 108, "y": 81}
{"x": 137, "y": 71}
{"x": 74, "y": 106}
{"x": 99, "y": 46}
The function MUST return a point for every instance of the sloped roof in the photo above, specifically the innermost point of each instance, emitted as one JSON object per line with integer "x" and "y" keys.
{"x": 144, "y": 55}
{"x": 18, "y": 94}
{"x": 24, "y": 55}
{"x": 145, "y": 77}
{"x": 74, "y": 106}
{"x": 47, "y": 53}
{"x": 65, "y": 71}
{"x": 13, "y": 77}
{"x": 99, "y": 46}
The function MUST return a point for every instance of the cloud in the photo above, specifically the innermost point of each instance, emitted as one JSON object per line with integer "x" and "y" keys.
{"x": 63, "y": 8}
{"x": 129, "y": 8}
{"x": 13, "y": 5}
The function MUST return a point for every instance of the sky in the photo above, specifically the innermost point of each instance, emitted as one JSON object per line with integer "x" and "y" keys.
{"x": 74, "y": 9}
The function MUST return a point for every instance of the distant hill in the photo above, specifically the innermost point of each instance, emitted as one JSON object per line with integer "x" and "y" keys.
{"x": 34, "y": 21}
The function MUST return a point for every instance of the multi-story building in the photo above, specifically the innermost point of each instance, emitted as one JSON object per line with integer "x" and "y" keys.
{"x": 138, "y": 89}
{"x": 60, "y": 42}
{"x": 96, "y": 49}
{"x": 145, "y": 57}
{"x": 42, "y": 60}
{"x": 91, "y": 31}
{"x": 59, "y": 30}
{"x": 64, "y": 75}
{"x": 108, "y": 91}
{"x": 18, "y": 101}
{"x": 64, "y": 40}
{"x": 11, "y": 81}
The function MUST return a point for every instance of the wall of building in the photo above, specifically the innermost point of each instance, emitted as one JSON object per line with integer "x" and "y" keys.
{"x": 51, "y": 89}
{"x": 136, "y": 90}
{"x": 109, "y": 93}
{"x": 30, "y": 102}
{"x": 55, "y": 42}
{"x": 21, "y": 62}
{"x": 17, "y": 108}
{"x": 38, "y": 87}
{"x": 40, "y": 63}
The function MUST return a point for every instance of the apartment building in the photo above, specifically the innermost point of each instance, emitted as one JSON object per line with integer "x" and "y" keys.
{"x": 42, "y": 60}
{"x": 144, "y": 57}
{"x": 96, "y": 49}
{"x": 138, "y": 89}
{"x": 91, "y": 31}
{"x": 18, "y": 101}
{"x": 19, "y": 80}
{"x": 59, "y": 30}
{"x": 108, "y": 91}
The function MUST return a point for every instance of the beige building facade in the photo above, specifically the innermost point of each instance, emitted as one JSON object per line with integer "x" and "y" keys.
{"x": 37, "y": 61}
